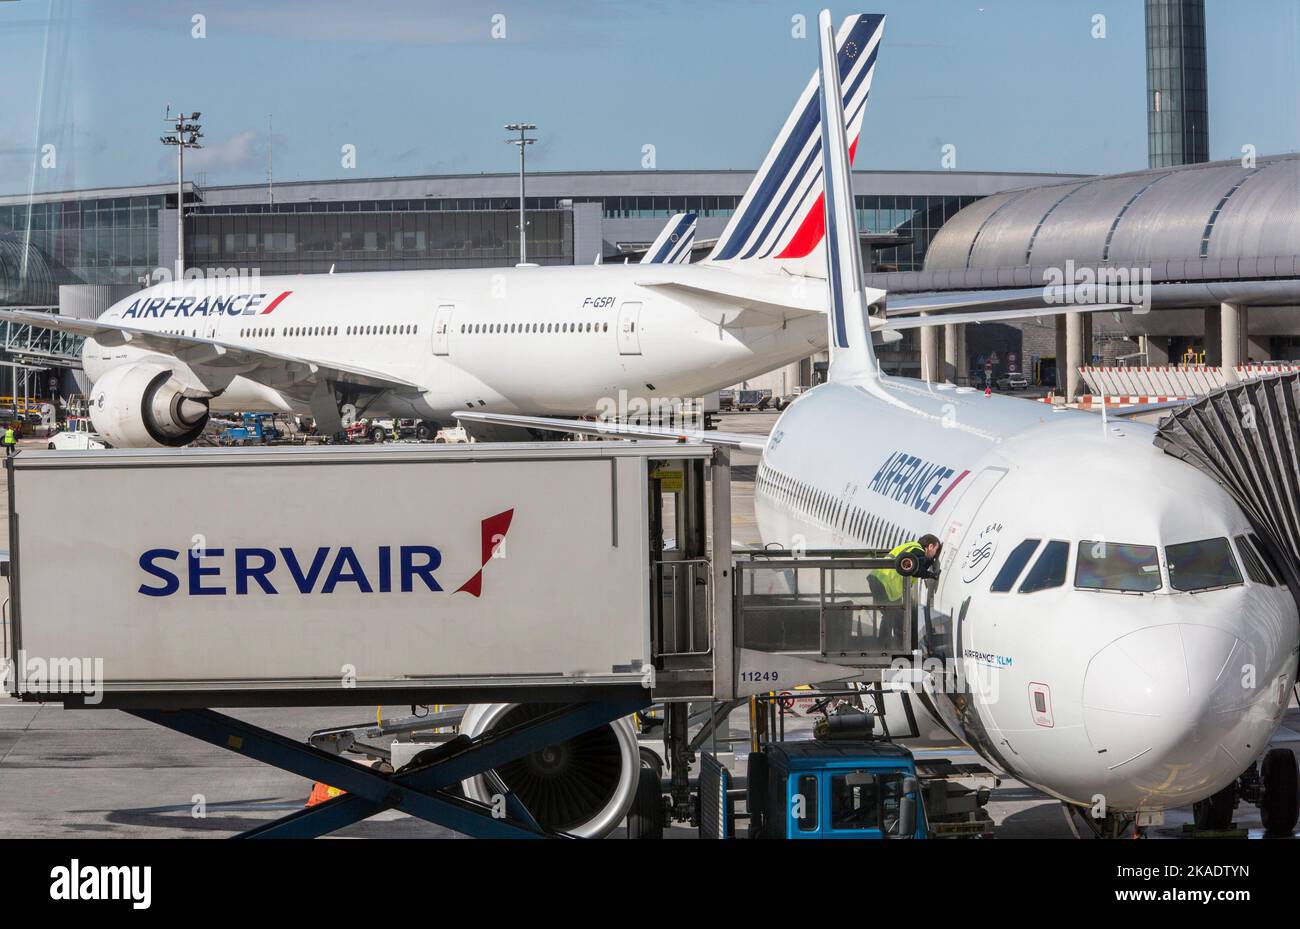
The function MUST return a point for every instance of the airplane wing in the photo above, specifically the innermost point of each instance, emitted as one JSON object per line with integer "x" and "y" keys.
{"x": 1016, "y": 298}
{"x": 222, "y": 360}
{"x": 893, "y": 323}
{"x": 736, "y": 440}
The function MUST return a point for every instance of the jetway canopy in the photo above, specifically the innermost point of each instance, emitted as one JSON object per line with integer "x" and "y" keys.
{"x": 1247, "y": 437}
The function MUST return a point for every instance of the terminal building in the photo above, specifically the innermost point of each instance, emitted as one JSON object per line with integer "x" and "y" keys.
{"x": 1219, "y": 243}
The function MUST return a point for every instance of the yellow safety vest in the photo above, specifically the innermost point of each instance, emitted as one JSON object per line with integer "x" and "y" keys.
{"x": 9, "y": 437}
{"x": 890, "y": 579}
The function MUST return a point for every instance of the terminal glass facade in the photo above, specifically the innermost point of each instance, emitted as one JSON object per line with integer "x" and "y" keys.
{"x": 916, "y": 218}
{"x": 106, "y": 241}
{"x": 365, "y": 238}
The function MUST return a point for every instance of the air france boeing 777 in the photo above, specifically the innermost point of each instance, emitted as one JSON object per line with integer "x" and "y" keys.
{"x": 422, "y": 344}
{"x": 1122, "y": 642}
{"x": 540, "y": 340}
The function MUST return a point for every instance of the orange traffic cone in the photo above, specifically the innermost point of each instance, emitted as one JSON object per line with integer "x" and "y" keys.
{"x": 322, "y": 792}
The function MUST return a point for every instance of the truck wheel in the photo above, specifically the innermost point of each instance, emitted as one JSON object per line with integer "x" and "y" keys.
{"x": 51, "y": 446}
{"x": 1279, "y": 803}
{"x": 646, "y": 818}
{"x": 424, "y": 431}
{"x": 377, "y": 434}
{"x": 1214, "y": 813}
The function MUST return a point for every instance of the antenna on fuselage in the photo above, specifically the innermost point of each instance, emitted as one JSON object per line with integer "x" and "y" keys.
{"x": 851, "y": 353}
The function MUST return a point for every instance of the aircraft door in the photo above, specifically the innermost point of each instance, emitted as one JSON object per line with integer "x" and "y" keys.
{"x": 442, "y": 328}
{"x": 960, "y": 531}
{"x": 629, "y": 321}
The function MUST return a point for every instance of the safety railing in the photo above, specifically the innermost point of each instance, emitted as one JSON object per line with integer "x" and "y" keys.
{"x": 684, "y": 607}
{"x": 847, "y": 608}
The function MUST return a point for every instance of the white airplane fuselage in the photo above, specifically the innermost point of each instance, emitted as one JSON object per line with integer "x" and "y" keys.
{"x": 557, "y": 340}
{"x": 1146, "y": 700}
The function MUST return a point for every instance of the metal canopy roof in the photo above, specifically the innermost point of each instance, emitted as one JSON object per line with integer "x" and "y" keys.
{"x": 1219, "y": 211}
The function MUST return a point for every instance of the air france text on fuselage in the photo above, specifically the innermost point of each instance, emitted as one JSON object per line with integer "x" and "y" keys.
{"x": 219, "y": 305}
{"x": 912, "y": 480}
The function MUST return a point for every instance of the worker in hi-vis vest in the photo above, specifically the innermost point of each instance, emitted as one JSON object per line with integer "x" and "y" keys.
{"x": 11, "y": 440}
{"x": 887, "y": 583}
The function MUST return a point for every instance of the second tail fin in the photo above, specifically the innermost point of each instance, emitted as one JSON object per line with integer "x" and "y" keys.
{"x": 674, "y": 244}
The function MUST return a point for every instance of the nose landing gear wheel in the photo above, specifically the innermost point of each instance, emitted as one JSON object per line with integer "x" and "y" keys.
{"x": 1214, "y": 813}
{"x": 1279, "y": 803}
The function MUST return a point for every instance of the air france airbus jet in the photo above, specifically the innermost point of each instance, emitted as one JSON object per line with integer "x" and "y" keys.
{"x": 1120, "y": 638}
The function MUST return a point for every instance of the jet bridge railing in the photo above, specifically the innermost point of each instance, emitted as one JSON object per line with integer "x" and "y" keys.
{"x": 836, "y": 607}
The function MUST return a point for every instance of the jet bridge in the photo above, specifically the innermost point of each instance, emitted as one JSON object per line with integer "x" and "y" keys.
{"x": 1247, "y": 437}
{"x": 582, "y": 577}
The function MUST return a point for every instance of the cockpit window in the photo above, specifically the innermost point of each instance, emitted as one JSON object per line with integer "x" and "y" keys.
{"x": 1117, "y": 566}
{"x": 1014, "y": 564}
{"x": 1049, "y": 569}
{"x": 1269, "y": 559}
{"x": 1201, "y": 565}
{"x": 1256, "y": 568}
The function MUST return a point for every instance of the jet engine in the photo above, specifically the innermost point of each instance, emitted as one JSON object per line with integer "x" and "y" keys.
{"x": 144, "y": 406}
{"x": 583, "y": 786}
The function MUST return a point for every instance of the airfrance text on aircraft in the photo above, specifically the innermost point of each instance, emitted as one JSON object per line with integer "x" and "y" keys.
{"x": 920, "y": 484}
{"x": 229, "y": 305}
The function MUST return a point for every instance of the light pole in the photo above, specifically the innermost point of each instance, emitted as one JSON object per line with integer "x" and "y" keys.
{"x": 523, "y": 141}
{"x": 185, "y": 135}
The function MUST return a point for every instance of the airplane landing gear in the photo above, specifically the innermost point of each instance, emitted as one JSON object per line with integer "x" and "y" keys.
{"x": 426, "y": 430}
{"x": 1279, "y": 802}
{"x": 1273, "y": 785}
{"x": 1214, "y": 813}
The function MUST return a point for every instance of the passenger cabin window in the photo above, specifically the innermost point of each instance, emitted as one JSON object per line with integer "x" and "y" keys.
{"x": 1049, "y": 570}
{"x": 1014, "y": 564}
{"x": 1117, "y": 566}
{"x": 1202, "y": 565}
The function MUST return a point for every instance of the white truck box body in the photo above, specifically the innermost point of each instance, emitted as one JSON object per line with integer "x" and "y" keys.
{"x": 155, "y": 562}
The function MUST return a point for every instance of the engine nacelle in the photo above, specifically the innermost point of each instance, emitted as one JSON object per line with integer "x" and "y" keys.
{"x": 583, "y": 786}
{"x": 143, "y": 406}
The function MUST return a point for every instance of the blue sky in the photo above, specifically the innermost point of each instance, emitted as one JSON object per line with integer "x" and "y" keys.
{"x": 421, "y": 86}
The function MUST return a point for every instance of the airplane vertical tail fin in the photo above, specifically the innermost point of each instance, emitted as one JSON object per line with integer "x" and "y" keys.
{"x": 779, "y": 222}
{"x": 674, "y": 244}
{"x": 852, "y": 355}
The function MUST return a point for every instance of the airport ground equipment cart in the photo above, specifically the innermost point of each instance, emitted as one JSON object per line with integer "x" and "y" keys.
{"x": 852, "y": 780}
{"x": 563, "y": 586}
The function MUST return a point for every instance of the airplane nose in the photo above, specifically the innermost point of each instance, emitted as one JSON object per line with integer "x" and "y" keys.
{"x": 1166, "y": 708}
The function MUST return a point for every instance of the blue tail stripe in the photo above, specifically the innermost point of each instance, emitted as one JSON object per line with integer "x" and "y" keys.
{"x": 687, "y": 220}
{"x": 683, "y": 246}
